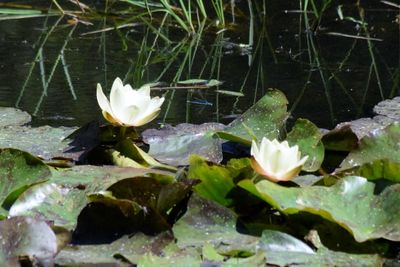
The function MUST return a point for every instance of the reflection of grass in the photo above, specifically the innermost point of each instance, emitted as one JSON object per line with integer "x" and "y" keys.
{"x": 164, "y": 55}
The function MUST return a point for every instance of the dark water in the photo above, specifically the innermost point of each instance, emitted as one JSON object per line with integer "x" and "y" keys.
{"x": 327, "y": 77}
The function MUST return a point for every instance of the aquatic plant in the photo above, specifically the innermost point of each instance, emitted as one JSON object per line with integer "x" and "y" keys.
{"x": 128, "y": 107}
{"x": 275, "y": 160}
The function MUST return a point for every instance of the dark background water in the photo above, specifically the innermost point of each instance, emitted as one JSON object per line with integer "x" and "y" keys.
{"x": 327, "y": 78}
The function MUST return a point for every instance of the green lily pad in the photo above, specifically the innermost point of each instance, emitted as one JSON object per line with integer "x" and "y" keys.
{"x": 379, "y": 144}
{"x": 28, "y": 239}
{"x": 131, "y": 249}
{"x": 46, "y": 142}
{"x": 265, "y": 119}
{"x": 157, "y": 200}
{"x": 174, "y": 145}
{"x": 308, "y": 137}
{"x": 13, "y": 117}
{"x": 216, "y": 180}
{"x": 284, "y": 250}
{"x": 19, "y": 171}
{"x": 377, "y": 169}
{"x": 206, "y": 222}
{"x": 62, "y": 198}
{"x": 351, "y": 203}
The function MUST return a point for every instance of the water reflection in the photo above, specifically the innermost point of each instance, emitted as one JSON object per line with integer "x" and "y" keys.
{"x": 332, "y": 67}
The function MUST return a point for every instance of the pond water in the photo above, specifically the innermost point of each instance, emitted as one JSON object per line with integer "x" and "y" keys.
{"x": 336, "y": 71}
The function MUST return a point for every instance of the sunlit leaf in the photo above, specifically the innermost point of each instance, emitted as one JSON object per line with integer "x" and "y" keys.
{"x": 284, "y": 250}
{"x": 207, "y": 222}
{"x": 216, "y": 180}
{"x": 19, "y": 171}
{"x": 131, "y": 248}
{"x": 379, "y": 144}
{"x": 265, "y": 119}
{"x": 350, "y": 203}
{"x": 45, "y": 141}
{"x": 174, "y": 145}
{"x": 13, "y": 116}
{"x": 308, "y": 137}
{"x": 65, "y": 195}
{"x": 377, "y": 169}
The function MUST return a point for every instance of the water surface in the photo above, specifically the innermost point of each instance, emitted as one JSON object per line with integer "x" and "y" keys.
{"x": 331, "y": 71}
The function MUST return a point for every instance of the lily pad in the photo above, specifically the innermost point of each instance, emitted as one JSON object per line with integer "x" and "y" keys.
{"x": 388, "y": 112}
{"x": 351, "y": 203}
{"x": 132, "y": 249}
{"x": 284, "y": 250}
{"x": 206, "y": 222}
{"x": 19, "y": 171}
{"x": 46, "y": 142}
{"x": 62, "y": 198}
{"x": 389, "y": 108}
{"x": 264, "y": 119}
{"x": 378, "y": 169}
{"x": 216, "y": 180}
{"x": 308, "y": 137}
{"x": 379, "y": 144}
{"x": 174, "y": 145}
{"x": 27, "y": 239}
{"x": 364, "y": 126}
{"x": 13, "y": 117}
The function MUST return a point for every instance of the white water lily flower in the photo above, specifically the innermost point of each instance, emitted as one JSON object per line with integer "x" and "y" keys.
{"x": 276, "y": 161}
{"x": 128, "y": 107}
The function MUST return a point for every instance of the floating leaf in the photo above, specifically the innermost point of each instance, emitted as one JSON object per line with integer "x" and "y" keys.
{"x": 379, "y": 144}
{"x": 24, "y": 237}
{"x": 46, "y": 142}
{"x": 265, "y": 119}
{"x": 284, "y": 250}
{"x": 62, "y": 198}
{"x": 308, "y": 137}
{"x": 360, "y": 128}
{"x": 131, "y": 248}
{"x": 378, "y": 169}
{"x": 216, "y": 180}
{"x": 19, "y": 171}
{"x": 206, "y": 222}
{"x": 388, "y": 112}
{"x": 13, "y": 117}
{"x": 351, "y": 203}
{"x": 389, "y": 108}
{"x": 174, "y": 145}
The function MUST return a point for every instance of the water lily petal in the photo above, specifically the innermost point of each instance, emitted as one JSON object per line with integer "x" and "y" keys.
{"x": 275, "y": 160}
{"x": 150, "y": 108}
{"x": 144, "y": 90}
{"x": 129, "y": 115}
{"x": 102, "y": 100}
{"x": 127, "y": 106}
{"x": 110, "y": 118}
{"x": 148, "y": 118}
